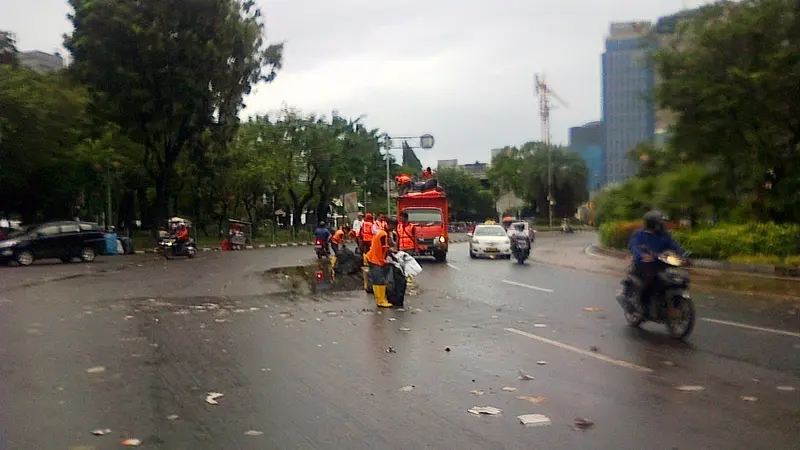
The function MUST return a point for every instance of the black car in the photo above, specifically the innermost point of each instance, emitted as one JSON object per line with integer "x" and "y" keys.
{"x": 54, "y": 240}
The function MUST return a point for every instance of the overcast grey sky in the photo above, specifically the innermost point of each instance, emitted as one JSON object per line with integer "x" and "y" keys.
{"x": 461, "y": 70}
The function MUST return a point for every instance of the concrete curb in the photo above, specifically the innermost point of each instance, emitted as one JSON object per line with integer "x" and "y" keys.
{"x": 722, "y": 266}
{"x": 265, "y": 246}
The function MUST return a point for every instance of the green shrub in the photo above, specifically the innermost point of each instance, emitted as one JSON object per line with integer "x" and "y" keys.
{"x": 792, "y": 261}
{"x": 724, "y": 241}
{"x": 617, "y": 234}
{"x": 757, "y": 260}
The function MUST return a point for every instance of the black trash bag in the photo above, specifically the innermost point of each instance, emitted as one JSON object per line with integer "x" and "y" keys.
{"x": 396, "y": 284}
{"x": 127, "y": 245}
{"x": 347, "y": 263}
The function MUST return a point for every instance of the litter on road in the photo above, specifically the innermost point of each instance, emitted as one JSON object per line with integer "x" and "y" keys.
{"x": 101, "y": 432}
{"x": 96, "y": 369}
{"x": 485, "y": 410}
{"x": 476, "y": 392}
{"x": 539, "y": 325}
{"x": 541, "y": 363}
{"x": 253, "y": 433}
{"x": 524, "y": 376}
{"x": 690, "y": 388}
{"x": 405, "y": 329}
{"x": 592, "y": 309}
{"x": 749, "y": 399}
{"x": 407, "y": 388}
{"x": 537, "y": 400}
{"x": 786, "y": 388}
{"x": 212, "y": 397}
{"x": 534, "y": 420}
{"x": 582, "y": 424}
{"x": 172, "y": 417}
{"x": 509, "y": 389}
{"x": 131, "y": 442}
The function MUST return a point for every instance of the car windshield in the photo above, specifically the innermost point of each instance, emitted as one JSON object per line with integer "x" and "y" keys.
{"x": 490, "y": 231}
{"x": 20, "y": 233}
{"x": 424, "y": 216}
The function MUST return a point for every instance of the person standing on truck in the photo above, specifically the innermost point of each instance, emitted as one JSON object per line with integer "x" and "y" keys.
{"x": 379, "y": 251}
{"x": 407, "y": 234}
{"x": 427, "y": 174}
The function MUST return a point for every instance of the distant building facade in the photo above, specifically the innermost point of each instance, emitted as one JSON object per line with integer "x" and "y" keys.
{"x": 41, "y": 61}
{"x": 587, "y": 141}
{"x": 628, "y": 109}
{"x": 446, "y": 163}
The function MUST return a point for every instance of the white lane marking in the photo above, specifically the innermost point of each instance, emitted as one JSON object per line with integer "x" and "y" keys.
{"x": 581, "y": 351}
{"x": 453, "y": 267}
{"x": 535, "y": 288}
{"x": 751, "y": 327}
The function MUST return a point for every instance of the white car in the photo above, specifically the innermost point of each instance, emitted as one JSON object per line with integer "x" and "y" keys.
{"x": 489, "y": 240}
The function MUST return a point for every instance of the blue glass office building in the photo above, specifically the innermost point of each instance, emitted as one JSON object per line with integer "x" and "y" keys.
{"x": 628, "y": 110}
{"x": 587, "y": 141}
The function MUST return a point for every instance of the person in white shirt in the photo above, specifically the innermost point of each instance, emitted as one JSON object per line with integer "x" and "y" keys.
{"x": 357, "y": 223}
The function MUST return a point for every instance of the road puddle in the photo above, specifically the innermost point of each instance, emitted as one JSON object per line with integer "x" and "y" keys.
{"x": 313, "y": 278}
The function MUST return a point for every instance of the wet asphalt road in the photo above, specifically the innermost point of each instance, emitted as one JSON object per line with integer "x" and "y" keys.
{"x": 313, "y": 372}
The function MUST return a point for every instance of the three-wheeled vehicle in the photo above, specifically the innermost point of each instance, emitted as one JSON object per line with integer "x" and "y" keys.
{"x": 168, "y": 246}
{"x": 238, "y": 235}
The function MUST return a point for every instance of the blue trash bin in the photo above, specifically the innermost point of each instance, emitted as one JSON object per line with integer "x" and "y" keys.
{"x": 111, "y": 244}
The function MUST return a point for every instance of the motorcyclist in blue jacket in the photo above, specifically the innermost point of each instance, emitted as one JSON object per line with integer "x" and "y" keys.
{"x": 645, "y": 245}
{"x": 323, "y": 234}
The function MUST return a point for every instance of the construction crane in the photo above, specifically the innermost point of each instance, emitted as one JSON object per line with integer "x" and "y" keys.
{"x": 544, "y": 93}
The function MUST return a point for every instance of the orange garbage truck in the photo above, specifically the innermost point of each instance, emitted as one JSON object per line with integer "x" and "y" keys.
{"x": 429, "y": 212}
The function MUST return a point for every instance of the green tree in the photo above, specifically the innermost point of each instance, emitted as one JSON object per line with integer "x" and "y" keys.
{"x": 732, "y": 80}
{"x": 8, "y": 49}
{"x": 42, "y": 122}
{"x": 167, "y": 71}
{"x": 410, "y": 159}
{"x": 468, "y": 201}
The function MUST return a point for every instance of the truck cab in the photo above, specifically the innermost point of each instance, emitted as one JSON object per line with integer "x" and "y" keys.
{"x": 429, "y": 211}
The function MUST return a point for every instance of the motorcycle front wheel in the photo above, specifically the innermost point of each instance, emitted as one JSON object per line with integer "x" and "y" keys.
{"x": 681, "y": 317}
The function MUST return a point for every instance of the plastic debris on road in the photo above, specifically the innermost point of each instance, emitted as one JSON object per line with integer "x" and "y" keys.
{"x": 253, "y": 433}
{"x": 101, "y": 432}
{"x": 592, "y": 309}
{"x": 749, "y": 399}
{"x": 509, "y": 389}
{"x": 96, "y": 369}
{"x": 541, "y": 363}
{"x": 407, "y": 388}
{"x": 786, "y": 388}
{"x": 392, "y": 319}
{"x": 485, "y": 410}
{"x": 534, "y": 420}
{"x": 131, "y": 442}
{"x": 690, "y": 388}
{"x": 405, "y": 329}
{"x": 390, "y": 350}
{"x": 539, "y": 325}
{"x": 172, "y": 417}
{"x": 582, "y": 424}
{"x": 668, "y": 363}
{"x": 211, "y": 398}
{"x": 537, "y": 400}
{"x": 476, "y": 392}
{"x": 524, "y": 376}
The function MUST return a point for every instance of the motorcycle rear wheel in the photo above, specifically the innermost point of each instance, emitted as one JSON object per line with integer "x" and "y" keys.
{"x": 169, "y": 253}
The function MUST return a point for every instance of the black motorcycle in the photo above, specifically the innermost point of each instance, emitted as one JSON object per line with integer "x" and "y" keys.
{"x": 169, "y": 247}
{"x": 520, "y": 249}
{"x": 669, "y": 302}
{"x": 321, "y": 249}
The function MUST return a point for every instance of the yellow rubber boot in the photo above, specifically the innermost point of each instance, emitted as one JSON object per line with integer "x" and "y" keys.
{"x": 380, "y": 295}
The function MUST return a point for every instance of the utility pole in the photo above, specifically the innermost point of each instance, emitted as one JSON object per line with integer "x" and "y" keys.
{"x": 544, "y": 93}
{"x": 425, "y": 142}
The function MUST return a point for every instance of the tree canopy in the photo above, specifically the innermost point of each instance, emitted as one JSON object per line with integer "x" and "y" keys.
{"x": 468, "y": 199}
{"x": 731, "y": 77}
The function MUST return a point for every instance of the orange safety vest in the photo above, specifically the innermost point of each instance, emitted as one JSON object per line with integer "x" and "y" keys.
{"x": 377, "y": 251}
{"x": 366, "y": 231}
{"x": 406, "y": 233}
{"x": 337, "y": 237}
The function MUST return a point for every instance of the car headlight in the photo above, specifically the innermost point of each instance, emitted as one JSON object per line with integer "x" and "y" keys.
{"x": 475, "y": 241}
{"x": 9, "y": 243}
{"x": 442, "y": 239}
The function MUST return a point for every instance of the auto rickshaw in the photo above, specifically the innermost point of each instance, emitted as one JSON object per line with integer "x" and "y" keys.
{"x": 238, "y": 235}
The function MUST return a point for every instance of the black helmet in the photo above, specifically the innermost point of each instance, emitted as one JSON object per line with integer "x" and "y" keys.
{"x": 654, "y": 221}
{"x": 322, "y": 225}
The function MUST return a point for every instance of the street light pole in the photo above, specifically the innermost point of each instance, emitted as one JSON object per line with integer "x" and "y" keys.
{"x": 388, "y": 184}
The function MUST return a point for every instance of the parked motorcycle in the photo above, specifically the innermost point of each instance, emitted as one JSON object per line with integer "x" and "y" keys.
{"x": 321, "y": 249}
{"x": 169, "y": 248}
{"x": 669, "y": 302}
{"x": 520, "y": 249}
